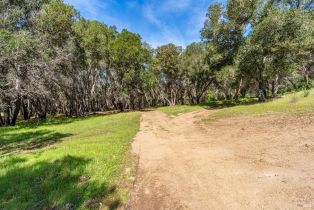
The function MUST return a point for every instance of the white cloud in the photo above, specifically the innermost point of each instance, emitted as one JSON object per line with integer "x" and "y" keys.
{"x": 161, "y": 14}
{"x": 167, "y": 33}
{"x": 176, "y": 21}
{"x": 97, "y": 10}
{"x": 150, "y": 15}
{"x": 89, "y": 7}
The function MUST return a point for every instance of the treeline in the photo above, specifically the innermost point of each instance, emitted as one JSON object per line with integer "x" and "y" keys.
{"x": 53, "y": 61}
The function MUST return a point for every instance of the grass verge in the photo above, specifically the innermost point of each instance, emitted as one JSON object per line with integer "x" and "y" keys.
{"x": 66, "y": 163}
{"x": 293, "y": 103}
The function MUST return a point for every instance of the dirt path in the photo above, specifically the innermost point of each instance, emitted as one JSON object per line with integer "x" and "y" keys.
{"x": 241, "y": 163}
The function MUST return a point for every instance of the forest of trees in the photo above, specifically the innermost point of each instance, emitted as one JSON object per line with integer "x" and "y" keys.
{"x": 53, "y": 61}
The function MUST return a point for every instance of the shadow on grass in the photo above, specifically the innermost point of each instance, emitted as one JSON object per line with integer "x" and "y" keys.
{"x": 52, "y": 185}
{"x": 148, "y": 110}
{"x": 27, "y": 141}
{"x": 51, "y": 121}
{"x": 47, "y": 122}
{"x": 219, "y": 104}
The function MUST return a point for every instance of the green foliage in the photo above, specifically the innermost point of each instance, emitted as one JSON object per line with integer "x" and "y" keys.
{"x": 18, "y": 14}
{"x": 168, "y": 57}
{"x": 266, "y": 42}
{"x": 55, "y": 22}
{"x": 197, "y": 74}
{"x": 211, "y": 96}
{"x": 227, "y": 80}
{"x": 224, "y": 30}
{"x": 277, "y": 44}
{"x": 306, "y": 92}
{"x": 168, "y": 60}
{"x": 214, "y": 103}
{"x": 65, "y": 161}
{"x": 129, "y": 56}
{"x": 95, "y": 39}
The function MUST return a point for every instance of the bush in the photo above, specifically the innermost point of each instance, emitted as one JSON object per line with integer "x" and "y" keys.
{"x": 306, "y": 93}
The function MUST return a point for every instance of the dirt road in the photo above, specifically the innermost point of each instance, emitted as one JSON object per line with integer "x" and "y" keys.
{"x": 264, "y": 162}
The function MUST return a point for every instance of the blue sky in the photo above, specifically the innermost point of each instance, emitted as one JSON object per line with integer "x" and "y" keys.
{"x": 158, "y": 22}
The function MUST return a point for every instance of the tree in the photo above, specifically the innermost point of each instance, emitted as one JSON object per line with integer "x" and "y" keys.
{"x": 197, "y": 73}
{"x": 19, "y": 72}
{"x": 128, "y": 57}
{"x": 53, "y": 61}
{"x": 280, "y": 45}
{"x": 93, "y": 38}
{"x": 168, "y": 63}
{"x": 64, "y": 58}
{"x": 224, "y": 31}
{"x": 18, "y": 14}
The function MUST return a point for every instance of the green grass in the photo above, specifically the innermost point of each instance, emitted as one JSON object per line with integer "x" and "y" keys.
{"x": 294, "y": 103}
{"x": 178, "y": 109}
{"x": 229, "y": 103}
{"x": 66, "y": 162}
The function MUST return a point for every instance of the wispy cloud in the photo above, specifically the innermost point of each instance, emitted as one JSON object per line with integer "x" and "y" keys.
{"x": 150, "y": 15}
{"x": 157, "y": 21}
{"x": 90, "y": 8}
{"x": 175, "y": 5}
{"x": 166, "y": 32}
{"x": 163, "y": 15}
{"x": 98, "y": 10}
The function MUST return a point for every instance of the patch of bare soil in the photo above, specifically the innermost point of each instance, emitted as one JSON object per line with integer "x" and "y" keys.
{"x": 264, "y": 162}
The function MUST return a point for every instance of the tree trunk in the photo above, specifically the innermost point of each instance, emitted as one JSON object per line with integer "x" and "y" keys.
{"x": 173, "y": 97}
{"x": 238, "y": 90}
{"x": 1, "y": 120}
{"x": 261, "y": 91}
{"x": 8, "y": 117}
{"x": 17, "y": 106}
{"x": 42, "y": 110}
{"x": 120, "y": 105}
{"x": 306, "y": 78}
{"x": 42, "y": 115}
{"x": 243, "y": 92}
{"x": 25, "y": 108}
{"x": 198, "y": 99}
{"x": 293, "y": 84}
{"x": 274, "y": 87}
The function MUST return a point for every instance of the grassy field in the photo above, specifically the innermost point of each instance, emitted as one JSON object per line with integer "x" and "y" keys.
{"x": 293, "y": 103}
{"x": 67, "y": 163}
{"x": 84, "y": 163}
{"x": 178, "y": 109}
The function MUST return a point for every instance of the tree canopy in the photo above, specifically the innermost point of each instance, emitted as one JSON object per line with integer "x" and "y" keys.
{"x": 53, "y": 61}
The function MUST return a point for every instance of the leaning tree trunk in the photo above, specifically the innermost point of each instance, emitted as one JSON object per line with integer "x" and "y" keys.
{"x": 238, "y": 90}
